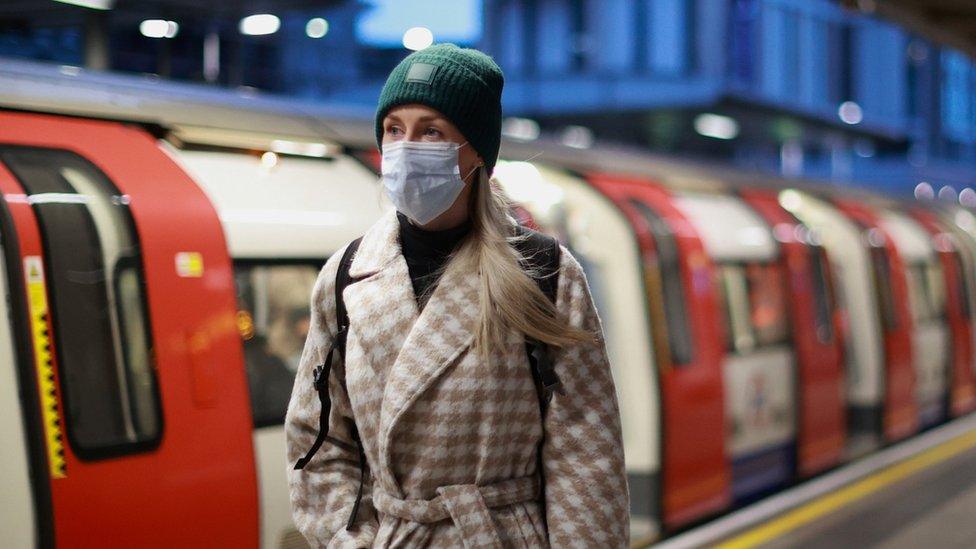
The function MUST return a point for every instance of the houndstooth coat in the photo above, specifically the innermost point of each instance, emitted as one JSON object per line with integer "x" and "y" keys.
{"x": 451, "y": 441}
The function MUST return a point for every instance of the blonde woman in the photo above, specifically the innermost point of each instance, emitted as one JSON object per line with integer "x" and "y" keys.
{"x": 434, "y": 424}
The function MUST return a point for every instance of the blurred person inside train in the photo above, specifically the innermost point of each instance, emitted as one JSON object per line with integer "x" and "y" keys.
{"x": 466, "y": 403}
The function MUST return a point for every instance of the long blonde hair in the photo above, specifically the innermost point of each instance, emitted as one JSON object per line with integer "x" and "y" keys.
{"x": 509, "y": 297}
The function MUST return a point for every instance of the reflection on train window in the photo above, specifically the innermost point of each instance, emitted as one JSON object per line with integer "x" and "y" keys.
{"x": 273, "y": 317}
{"x": 926, "y": 291}
{"x": 95, "y": 279}
{"x": 822, "y": 295}
{"x": 753, "y": 297}
{"x": 669, "y": 284}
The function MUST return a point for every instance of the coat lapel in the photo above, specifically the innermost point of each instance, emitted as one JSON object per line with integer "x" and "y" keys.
{"x": 380, "y": 302}
{"x": 406, "y": 350}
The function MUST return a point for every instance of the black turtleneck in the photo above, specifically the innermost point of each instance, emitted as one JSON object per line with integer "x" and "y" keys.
{"x": 427, "y": 251}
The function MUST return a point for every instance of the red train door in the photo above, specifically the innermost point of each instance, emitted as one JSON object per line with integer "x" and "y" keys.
{"x": 962, "y": 380}
{"x": 822, "y": 418}
{"x": 900, "y": 415}
{"x": 134, "y": 352}
{"x": 695, "y": 471}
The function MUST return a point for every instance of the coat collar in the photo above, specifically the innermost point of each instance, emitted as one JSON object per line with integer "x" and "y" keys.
{"x": 406, "y": 350}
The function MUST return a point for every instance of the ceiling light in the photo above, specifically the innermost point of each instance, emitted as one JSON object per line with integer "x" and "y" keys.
{"x": 260, "y": 24}
{"x": 717, "y": 126}
{"x": 159, "y": 28}
{"x": 316, "y": 28}
{"x": 417, "y": 38}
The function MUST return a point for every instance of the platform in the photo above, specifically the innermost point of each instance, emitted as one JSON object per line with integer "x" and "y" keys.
{"x": 919, "y": 493}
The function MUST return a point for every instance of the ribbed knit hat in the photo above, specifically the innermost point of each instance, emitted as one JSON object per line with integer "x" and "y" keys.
{"x": 465, "y": 85}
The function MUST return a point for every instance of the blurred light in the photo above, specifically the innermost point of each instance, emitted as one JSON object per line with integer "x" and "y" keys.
{"x": 317, "y": 27}
{"x": 577, "y": 137}
{"x": 947, "y": 193}
{"x": 967, "y": 197}
{"x": 524, "y": 185}
{"x": 93, "y": 4}
{"x": 521, "y": 129}
{"x": 717, "y": 126}
{"x": 260, "y": 24}
{"x": 70, "y": 70}
{"x": 317, "y": 150}
{"x": 417, "y": 38}
{"x": 924, "y": 191}
{"x": 159, "y": 28}
{"x": 269, "y": 160}
{"x": 850, "y": 112}
{"x": 783, "y": 232}
{"x": 876, "y": 238}
{"x": 918, "y": 51}
{"x": 864, "y": 148}
{"x": 790, "y": 200}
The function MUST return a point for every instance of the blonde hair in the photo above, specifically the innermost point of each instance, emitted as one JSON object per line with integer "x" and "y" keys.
{"x": 509, "y": 298}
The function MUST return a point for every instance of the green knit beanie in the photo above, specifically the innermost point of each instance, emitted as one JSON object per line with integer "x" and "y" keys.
{"x": 463, "y": 84}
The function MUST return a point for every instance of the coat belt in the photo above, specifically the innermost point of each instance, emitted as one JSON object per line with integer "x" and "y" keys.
{"x": 465, "y": 504}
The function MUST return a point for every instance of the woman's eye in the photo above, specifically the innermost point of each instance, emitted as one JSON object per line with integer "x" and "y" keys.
{"x": 393, "y": 130}
{"x": 432, "y": 132}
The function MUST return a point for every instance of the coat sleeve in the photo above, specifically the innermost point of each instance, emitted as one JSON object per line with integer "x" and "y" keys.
{"x": 587, "y": 498}
{"x": 322, "y": 494}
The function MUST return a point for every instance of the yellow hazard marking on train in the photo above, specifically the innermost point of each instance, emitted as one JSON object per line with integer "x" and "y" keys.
{"x": 37, "y": 305}
{"x": 860, "y": 489}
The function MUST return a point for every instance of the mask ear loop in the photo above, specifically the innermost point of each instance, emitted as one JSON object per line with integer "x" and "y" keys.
{"x": 465, "y": 178}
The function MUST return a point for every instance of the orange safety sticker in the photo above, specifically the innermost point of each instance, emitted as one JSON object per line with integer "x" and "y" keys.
{"x": 37, "y": 305}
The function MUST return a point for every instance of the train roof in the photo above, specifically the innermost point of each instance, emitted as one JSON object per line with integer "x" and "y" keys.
{"x": 247, "y": 118}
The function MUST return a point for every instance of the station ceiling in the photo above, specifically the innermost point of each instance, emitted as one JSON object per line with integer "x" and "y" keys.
{"x": 54, "y": 11}
{"x": 950, "y": 22}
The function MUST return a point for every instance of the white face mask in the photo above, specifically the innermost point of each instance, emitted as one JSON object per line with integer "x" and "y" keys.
{"x": 422, "y": 178}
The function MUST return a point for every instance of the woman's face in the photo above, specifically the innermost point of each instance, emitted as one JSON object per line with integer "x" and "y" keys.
{"x": 420, "y": 123}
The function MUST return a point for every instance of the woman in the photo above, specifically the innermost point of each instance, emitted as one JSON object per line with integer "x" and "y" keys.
{"x": 435, "y": 381}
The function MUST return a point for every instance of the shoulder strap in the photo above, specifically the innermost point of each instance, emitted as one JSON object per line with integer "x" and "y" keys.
{"x": 542, "y": 253}
{"x": 342, "y": 280}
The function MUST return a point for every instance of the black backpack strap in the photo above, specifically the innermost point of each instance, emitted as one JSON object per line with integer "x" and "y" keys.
{"x": 542, "y": 253}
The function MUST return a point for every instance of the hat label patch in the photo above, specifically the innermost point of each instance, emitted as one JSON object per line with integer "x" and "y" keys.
{"x": 421, "y": 73}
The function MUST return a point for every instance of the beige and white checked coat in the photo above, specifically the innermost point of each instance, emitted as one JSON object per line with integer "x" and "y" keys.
{"x": 450, "y": 440}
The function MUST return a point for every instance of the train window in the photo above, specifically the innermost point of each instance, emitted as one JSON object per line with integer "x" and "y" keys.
{"x": 925, "y": 291}
{"x": 965, "y": 292}
{"x": 767, "y": 303}
{"x": 273, "y": 318}
{"x": 822, "y": 296}
{"x": 96, "y": 284}
{"x": 734, "y": 295}
{"x": 885, "y": 293}
{"x": 672, "y": 285}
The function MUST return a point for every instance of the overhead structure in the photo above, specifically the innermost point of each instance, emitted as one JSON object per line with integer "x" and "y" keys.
{"x": 950, "y": 22}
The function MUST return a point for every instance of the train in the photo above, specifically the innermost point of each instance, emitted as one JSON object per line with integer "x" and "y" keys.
{"x": 159, "y": 242}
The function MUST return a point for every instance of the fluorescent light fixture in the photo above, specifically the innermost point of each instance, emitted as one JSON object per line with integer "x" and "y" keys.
{"x": 417, "y": 38}
{"x": 316, "y": 28}
{"x": 260, "y": 24}
{"x": 520, "y": 129}
{"x": 93, "y": 4}
{"x": 577, "y": 137}
{"x": 159, "y": 28}
{"x": 317, "y": 150}
{"x": 850, "y": 112}
{"x": 716, "y": 125}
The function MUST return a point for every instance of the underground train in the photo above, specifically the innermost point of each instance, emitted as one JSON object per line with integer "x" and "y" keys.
{"x": 159, "y": 242}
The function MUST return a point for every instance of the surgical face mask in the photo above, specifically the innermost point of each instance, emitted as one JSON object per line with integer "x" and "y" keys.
{"x": 422, "y": 178}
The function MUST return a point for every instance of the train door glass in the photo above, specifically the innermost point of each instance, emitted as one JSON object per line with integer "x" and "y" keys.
{"x": 822, "y": 295}
{"x": 672, "y": 286}
{"x": 94, "y": 271}
{"x": 753, "y": 298}
{"x": 882, "y": 278}
{"x": 926, "y": 291}
{"x": 273, "y": 318}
